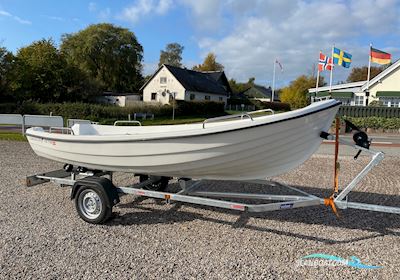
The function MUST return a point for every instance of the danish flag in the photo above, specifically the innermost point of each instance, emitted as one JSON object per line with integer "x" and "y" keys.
{"x": 325, "y": 63}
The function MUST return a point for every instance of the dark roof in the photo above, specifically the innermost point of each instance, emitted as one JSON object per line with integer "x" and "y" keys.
{"x": 208, "y": 82}
{"x": 258, "y": 91}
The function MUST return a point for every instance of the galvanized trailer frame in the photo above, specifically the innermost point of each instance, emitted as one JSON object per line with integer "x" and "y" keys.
{"x": 190, "y": 192}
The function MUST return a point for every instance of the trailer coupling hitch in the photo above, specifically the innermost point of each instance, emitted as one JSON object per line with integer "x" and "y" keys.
{"x": 359, "y": 137}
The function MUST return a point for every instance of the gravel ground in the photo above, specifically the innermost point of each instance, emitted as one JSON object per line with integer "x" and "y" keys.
{"x": 42, "y": 237}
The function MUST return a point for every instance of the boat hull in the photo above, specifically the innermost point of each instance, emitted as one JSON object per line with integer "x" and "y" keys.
{"x": 251, "y": 152}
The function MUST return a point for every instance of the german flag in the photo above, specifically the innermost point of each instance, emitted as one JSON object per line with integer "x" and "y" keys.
{"x": 380, "y": 57}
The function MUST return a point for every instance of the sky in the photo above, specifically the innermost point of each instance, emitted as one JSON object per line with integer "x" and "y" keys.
{"x": 246, "y": 35}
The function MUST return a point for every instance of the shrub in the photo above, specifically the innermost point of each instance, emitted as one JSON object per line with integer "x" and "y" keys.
{"x": 200, "y": 108}
{"x": 375, "y": 122}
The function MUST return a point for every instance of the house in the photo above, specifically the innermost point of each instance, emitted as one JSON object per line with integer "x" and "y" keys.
{"x": 170, "y": 82}
{"x": 385, "y": 88}
{"x": 260, "y": 93}
{"x": 120, "y": 99}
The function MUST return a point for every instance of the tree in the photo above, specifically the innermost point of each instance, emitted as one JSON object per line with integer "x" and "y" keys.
{"x": 172, "y": 55}
{"x": 110, "y": 55}
{"x": 39, "y": 72}
{"x": 296, "y": 93}
{"x": 6, "y": 64}
{"x": 210, "y": 64}
{"x": 361, "y": 73}
{"x": 240, "y": 87}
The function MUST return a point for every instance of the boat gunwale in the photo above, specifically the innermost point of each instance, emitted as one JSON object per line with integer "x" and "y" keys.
{"x": 100, "y": 141}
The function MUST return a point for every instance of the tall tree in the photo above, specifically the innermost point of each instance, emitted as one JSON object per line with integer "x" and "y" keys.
{"x": 6, "y": 64}
{"x": 38, "y": 72}
{"x": 296, "y": 93}
{"x": 210, "y": 64}
{"x": 109, "y": 54}
{"x": 172, "y": 55}
{"x": 361, "y": 73}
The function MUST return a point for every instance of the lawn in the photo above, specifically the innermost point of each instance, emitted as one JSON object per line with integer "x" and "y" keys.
{"x": 13, "y": 136}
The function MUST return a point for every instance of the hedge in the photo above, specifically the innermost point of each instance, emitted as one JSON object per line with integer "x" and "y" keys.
{"x": 97, "y": 112}
{"x": 375, "y": 122}
{"x": 361, "y": 111}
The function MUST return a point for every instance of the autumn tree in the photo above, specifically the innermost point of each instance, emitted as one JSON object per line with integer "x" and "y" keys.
{"x": 110, "y": 55}
{"x": 296, "y": 93}
{"x": 361, "y": 73}
{"x": 172, "y": 55}
{"x": 209, "y": 64}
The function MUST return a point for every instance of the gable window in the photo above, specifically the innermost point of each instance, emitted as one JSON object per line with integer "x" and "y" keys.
{"x": 163, "y": 80}
{"x": 207, "y": 97}
{"x": 192, "y": 96}
{"x": 153, "y": 95}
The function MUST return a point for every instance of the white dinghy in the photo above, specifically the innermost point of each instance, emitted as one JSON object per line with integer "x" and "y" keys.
{"x": 241, "y": 149}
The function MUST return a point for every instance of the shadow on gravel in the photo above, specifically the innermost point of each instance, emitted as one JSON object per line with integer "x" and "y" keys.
{"x": 377, "y": 224}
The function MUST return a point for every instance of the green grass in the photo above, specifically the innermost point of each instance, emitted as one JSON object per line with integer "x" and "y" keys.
{"x": 12, "y": 136}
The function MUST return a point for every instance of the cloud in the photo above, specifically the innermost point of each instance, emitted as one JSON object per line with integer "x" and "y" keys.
{"x": 142, "y": 8}
{"x": 14, "y": 17}
{"x": 205, "y": 14}
{"x": 92, "y": 7}
{"x": 294, "y": 31}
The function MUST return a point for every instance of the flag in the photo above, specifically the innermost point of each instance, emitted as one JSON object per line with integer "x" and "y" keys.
{"x": 280, "y": 65}
{"x": 341, "y": 58}
{"x": 325, "y": 63}
{"x": 380, "y": 57}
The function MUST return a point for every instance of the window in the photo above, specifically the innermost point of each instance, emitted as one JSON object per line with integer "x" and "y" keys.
{"x": 359, "y": 100}
{"x": 153, "y": 95}
{"x": 220, "y": 99}
{"x": 163, "y": 80}
{"x": 192, "y": 96}
{"x": 207, "y": 97}
{"x": 391, "y": 102}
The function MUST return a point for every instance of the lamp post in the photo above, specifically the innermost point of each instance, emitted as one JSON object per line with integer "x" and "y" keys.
{"x": 173, "y": 105}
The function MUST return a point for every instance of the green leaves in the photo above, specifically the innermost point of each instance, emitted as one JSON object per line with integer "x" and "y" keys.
{"x": 172, "y": 55}
{"x": 108, "y": 54}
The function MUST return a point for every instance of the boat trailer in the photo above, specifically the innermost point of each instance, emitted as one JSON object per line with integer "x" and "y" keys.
{"x": 95, "y": 194}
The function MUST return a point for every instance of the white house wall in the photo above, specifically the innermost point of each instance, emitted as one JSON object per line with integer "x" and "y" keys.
{"x": 172, "y": 85}
{"x": 201, "y": 96}
{"x": 389, "y": 83}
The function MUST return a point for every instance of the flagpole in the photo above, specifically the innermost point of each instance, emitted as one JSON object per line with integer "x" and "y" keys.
{"x": 316, "y": 86}
{"x": 273, "y": 83}
{"x": 369, "y": 66}
{"x": 331, "y": 74}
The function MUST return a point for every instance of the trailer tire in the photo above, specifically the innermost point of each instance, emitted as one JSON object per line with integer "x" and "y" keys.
{"x": 91, "y": 204}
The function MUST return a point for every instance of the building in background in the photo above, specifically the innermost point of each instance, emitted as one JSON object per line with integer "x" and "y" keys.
{"x": 120, "y": 99}
{"x": 384, "y": 88}
{"x": 170, "y": 82}
{"x": 260, "y": 93}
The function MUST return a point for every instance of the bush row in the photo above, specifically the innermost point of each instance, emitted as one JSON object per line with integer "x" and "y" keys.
{"x": 97, "y": 112}
{"x": 375, "y": 122}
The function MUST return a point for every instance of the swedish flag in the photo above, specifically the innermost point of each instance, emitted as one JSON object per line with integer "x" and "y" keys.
{"x": 341, "y": 58}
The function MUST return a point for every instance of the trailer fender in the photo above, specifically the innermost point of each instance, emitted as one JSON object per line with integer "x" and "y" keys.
{"x": 104, "y": 183}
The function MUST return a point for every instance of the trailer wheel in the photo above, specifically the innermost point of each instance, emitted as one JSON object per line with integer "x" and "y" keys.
{"x": 91, "y": 204}
{"x": 159, "y": 185}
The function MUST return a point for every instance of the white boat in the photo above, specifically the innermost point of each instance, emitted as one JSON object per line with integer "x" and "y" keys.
{"x": 243, "y": 149}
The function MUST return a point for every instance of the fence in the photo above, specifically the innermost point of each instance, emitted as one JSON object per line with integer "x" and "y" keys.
{"x": 360, "y": 112}
{"x": 238, "y": 107}
{"x": 31, "y": 120}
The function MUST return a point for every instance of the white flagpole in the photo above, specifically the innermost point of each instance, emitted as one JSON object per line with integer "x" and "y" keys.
{"x": 273, "y": 83}
{"x": 331, "y": 75}
{"x": 316, "y": 86}
{"x": 369, "y": 66}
